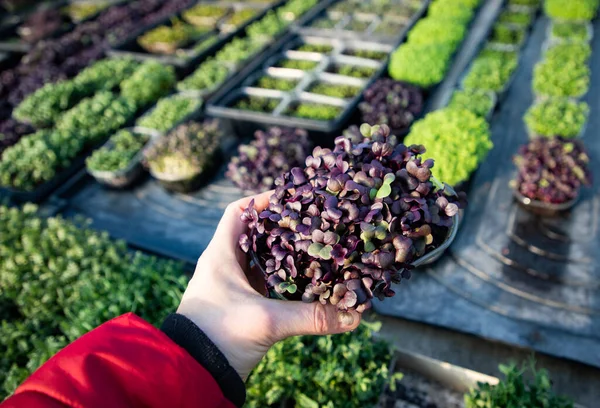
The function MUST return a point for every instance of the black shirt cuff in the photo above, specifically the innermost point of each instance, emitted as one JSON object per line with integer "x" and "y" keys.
{"x": 187, "y": 335}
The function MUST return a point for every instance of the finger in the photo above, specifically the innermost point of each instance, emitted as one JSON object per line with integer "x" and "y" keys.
{"x": 231, "y": 226}
{"x": 297, "y": 318}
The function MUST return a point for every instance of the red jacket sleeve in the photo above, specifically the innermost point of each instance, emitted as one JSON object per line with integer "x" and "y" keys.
{"x": 126, "y": 362}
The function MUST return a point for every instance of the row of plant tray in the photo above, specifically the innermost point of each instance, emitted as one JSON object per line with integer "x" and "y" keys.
{"x": 513, "y": 276}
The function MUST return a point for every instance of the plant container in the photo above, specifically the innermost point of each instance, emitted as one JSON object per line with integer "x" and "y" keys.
{"x": 558, "y": 40}
{"x": 126, "y": 177}
{"x": 543, "y": 208}
{"x": 185, "y": 185}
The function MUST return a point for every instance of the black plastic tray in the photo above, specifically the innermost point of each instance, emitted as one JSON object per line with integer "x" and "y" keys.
{"x": 188, "y": 59}
{"x": 368, "y": 35}
{"x": 242, "y": 86}
{"x": 513, "y": 276}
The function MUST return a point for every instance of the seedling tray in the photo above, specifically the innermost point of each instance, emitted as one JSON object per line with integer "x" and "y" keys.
{"x": 364, "y": 24}
{"x": 325, "y": 63}
{"x": 192, "y": 53}
{"x": 513, "y": 276}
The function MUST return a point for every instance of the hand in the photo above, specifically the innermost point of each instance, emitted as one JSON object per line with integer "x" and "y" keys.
{"x": 221, "y": 300}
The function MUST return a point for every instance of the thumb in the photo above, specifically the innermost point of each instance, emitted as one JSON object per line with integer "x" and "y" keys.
{"x": 298, "y": 318}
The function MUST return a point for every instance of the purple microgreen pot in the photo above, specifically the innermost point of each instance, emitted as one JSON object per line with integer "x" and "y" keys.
{"x": 352, "y": 222}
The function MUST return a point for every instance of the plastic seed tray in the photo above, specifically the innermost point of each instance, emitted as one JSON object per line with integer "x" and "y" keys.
{"x": 318, "y": 68}
{"x": 366, "y": 20}
{"x": 513, "y": 275}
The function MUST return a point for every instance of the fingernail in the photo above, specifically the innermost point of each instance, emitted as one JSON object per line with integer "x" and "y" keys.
{"x": 346, "y": 318}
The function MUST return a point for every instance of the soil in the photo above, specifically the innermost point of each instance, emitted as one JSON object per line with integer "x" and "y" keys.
{"x": 416, "y": 391}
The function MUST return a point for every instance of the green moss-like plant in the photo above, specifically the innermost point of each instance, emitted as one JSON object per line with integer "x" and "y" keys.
{"x": 442, "y": 11}
{"x": 81, "y": 11}
{"x": 239, "y": 50}
{"x": 458, "y": 140}
{"x": 528, "y": 3}
{"x": 239, "y": 17}
{"x": 268, "y": 26}
{"x": 516, "y": 17}
{"x": 168, "y": 112}
{"x": 354, "y": 71}
{"x": 149, "y": 82}
{"x": 568, "y": 31}
{"x": 303, "y": 65}
{"x": 504, "y": 34}
{"x": 561, "y": 78}
{"x": 314, "y": 111}
{"x": 520, "y": 387}
{"x": 208, "y": 75}
{"x": 489, "y": 73}
{"x": 209, "y": 11}
{"x": 257, "y": 104}
{"x": 477, "y": 101}
{"x": 421, "y": 65}
{"x": 125, "y": 145}
{"x": 368, "y": 54}
{"x": 434, "y": 31}
{"x": 282, "y": 84}
{"x": 334, "y": 90}
{"x": 320, "y": 48}
{"x": 557, "y": 117}
{"x": 166, "y": 39}
{"x": 60, "y": 279}
{"x": 573, "y": 52}
{"x": 571, "y": 10}
{"x": 313, "y": 372}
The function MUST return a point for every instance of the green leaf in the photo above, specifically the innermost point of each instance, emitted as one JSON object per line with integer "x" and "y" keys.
{"x": 325, "y": 253}
{"x": 389, "y": 178}
{"x": 384, "y": 191}
{"x": 302, "y": 401}
{"x": 373, "y": 193}
{"x": 292, "y": 288}
{"x": 314, "y": 249}
{"x": 369, "y": 246}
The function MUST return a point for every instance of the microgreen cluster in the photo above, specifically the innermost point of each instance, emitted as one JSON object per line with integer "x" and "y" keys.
{"x": 518, "y": 18}
{"x": 345, "y": 227}
{"x": 206, "y": 12}
{"x": 81, "y": 11}
{"x": 60, "y": 279}
{"x": 490, "y": 73}
{"x": 43, "y": 107}
{"x": 166, "y": 39}
{"x": 169, "y": 111}
{"x": 573, "y": 52}
{"x": 270, "y": 154}
{"x": 188, "y": 150}
{"x": 504, "y": 34}
{"x": 433, "y": 31}
{"x": 557, "y": 117}
{"x": 391, "y": 103}
{"x": 528, "y": 3}
{"x": 313, "y": 371}
{"x": 552, "y": 170}
{"x": 210, "y": 74}
{"x": 334, "y": 90}
{"x": 314, "y": 111}
{"x": 355, "y": 71}
{"x": 257, "y": 104}
{"x": 241, "y": 16}
{"x": 282, "y": 84}
{"x": 124, "y": 146}
{"x": 457, "y": 139}
{"x": 520, "y": 387}
{"x": 269, "y": 26}
{"x": 149, "y": 82}
{"x": 571, "y": 10}
{"x": 424, "y": 59}
{"x": 304, "y": 65}
{"x": 568, "y": 31}
{"x": 368, "y": 54}
{"x": 477, "y": 101}
{"x": 320, "y": 48}
{"x": 565, "y": 78}
{"x": 432, "y": 61}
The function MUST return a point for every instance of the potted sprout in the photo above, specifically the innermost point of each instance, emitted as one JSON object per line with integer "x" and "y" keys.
{"x": 167, "y": 39}
{"x": 393, "y": 103}
{"x": 119, "y": 162}
{"x": 350, "y": 223}
{"x": 183, "y": 159}
{"x": 550, "y": 174}
{"x": 270, "y": 154}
